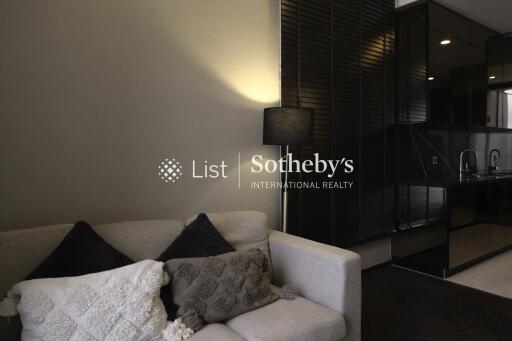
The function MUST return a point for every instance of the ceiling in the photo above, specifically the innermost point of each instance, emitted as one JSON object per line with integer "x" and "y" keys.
{"x": 495, "y": 14}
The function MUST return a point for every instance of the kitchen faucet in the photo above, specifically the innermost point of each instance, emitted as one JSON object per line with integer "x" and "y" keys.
{"x": 465, "y": 169}
{"x": 494, "y": 155}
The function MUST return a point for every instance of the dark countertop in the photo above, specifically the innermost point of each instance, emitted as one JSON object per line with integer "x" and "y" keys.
{"x": 450, "y": 181}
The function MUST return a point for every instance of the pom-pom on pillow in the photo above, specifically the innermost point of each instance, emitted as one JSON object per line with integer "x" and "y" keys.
{"x": 213, "y": 289}
{"x": 119, "y": 304}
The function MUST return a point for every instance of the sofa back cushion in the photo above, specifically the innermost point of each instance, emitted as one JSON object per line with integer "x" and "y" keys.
{"x": 21, "y": 251}
{"x": 142, "y": 239}
{"x": 245, "y": 230}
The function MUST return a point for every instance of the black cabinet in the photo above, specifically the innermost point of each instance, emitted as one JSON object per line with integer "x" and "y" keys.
{"x": 499, "y": 78}
{"x": 441, "y": 82}
{"x": 480, "y": 223}
{"x": 457, "y": 79}
{"x": 464, "y": 97}
{"x": 454, "y": 57}
{"x": 477, "y": 225}
{"x": 500, "y": 204}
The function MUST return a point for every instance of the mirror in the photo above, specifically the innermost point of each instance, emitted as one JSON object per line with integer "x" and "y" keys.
{"x": 499, "y": 82}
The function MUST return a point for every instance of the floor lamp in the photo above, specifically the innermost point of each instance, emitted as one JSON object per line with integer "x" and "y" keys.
{"x": 285, "y": 126}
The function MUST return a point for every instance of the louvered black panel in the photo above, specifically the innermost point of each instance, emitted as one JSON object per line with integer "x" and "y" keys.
{"x": 306, "y": 81}
{"x": 418, "y": 204}
{"x": 315, "y": 93}
{"x": 338, "y": 59}
{"x": 412, "y": 42}
{"x": 289, "y": 52}
{"x": 346, "y": 122}
{"x": 436, "y": 204}
{"x": 376, "y": 115}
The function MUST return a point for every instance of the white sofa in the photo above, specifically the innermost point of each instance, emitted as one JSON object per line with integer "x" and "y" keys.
{"x": 327, "y": 278}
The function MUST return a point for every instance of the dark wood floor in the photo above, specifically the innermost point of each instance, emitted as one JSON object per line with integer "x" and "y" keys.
{"x": 404, "y": 305}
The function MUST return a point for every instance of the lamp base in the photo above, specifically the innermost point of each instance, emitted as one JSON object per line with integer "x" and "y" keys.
{"x": 284, "y": 208}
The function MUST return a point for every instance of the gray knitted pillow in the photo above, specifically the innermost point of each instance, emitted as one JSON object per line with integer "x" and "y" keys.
{"x": 217, "y": 288}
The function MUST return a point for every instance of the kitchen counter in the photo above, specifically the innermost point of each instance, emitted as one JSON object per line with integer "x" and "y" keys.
{"x": 450, "y": 181}
{"x": 473, "y": 222}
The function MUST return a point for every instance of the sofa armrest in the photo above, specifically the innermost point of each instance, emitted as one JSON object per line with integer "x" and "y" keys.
{"x": 324, "y": 274}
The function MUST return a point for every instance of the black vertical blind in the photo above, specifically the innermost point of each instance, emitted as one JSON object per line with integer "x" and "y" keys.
{"x": 338, "y": 59}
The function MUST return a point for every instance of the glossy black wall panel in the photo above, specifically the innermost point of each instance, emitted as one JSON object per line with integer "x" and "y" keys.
{"x": 412, "y": 74}
{"x": 338, "y": 59}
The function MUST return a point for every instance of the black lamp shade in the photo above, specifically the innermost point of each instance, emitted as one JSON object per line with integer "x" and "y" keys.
{"x": 282, "y": 126}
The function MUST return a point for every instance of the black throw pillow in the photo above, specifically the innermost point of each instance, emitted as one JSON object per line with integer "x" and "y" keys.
{"x": 81, "y": 252}
{"x": 198, "y": 239}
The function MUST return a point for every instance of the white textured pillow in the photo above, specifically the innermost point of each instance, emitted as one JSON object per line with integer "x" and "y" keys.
{"x": 120, "y": 304}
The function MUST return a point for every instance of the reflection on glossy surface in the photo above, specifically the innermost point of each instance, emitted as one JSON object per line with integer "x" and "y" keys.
{"x": 423, "y": 249}
{"x": 483, "y": 177}
{"x": 499, "y": 69}
{"x": 471, "y": 219}
{"x": 459, "y": 87}
{"x": 478, "y": 225}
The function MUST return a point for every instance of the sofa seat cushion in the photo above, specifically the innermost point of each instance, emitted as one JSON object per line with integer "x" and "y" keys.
{"x": 215, "y": 332}
{"x": 297, "y": 320}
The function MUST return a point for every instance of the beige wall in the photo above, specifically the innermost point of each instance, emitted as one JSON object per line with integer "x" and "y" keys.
{"x": 94, "y": 94}
{"x": 403, "y": 2}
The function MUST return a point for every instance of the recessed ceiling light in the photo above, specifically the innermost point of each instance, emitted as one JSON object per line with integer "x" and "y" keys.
{"x": 446, "y": 42}
{"x": 431, "y": 78}
{"x": 492, "y": 77}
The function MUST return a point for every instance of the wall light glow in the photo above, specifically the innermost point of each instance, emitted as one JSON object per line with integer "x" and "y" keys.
{"x": 446, "y": 42}
{"x": 492, "y": 77}
{"x": 257, "y": 83}
{"x": 240, "y": 48}
{"x": 431, "y": 78}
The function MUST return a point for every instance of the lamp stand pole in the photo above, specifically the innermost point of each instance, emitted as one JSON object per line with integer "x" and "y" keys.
{"x": 285, "y": 193}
